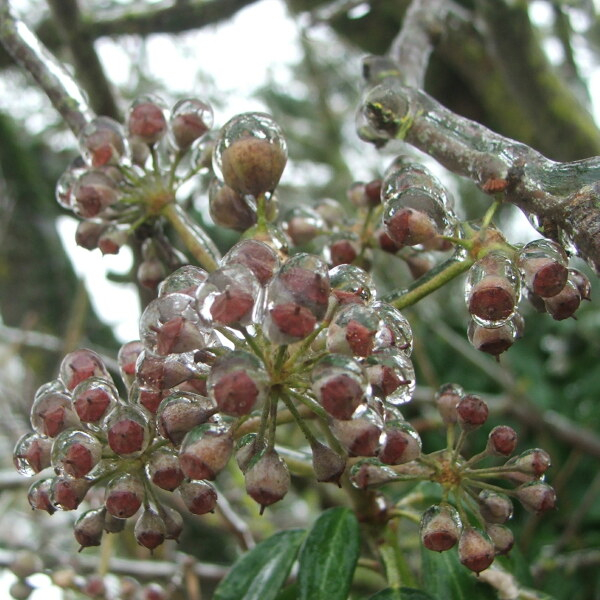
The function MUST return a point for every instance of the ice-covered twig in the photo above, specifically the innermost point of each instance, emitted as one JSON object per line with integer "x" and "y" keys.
{"x": 49, "y": 74}
{"x": 564, "y": 197}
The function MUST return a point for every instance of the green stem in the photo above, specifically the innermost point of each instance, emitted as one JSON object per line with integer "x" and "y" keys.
{"x": 195, "y": 239}
{"x": 388, "y": 557}
{"x": 252, "y": 343}
{"x": 274, "y": 400}
{"x": 428, "y": 283}
{"x": 308, "y": 434}
{"x": 310, "y": 403}
{"x": 264, "y": 419}
{"x": 459, "y": 444}
{"x": 476, "y": 458}
{"x": 488, "y": 486}
{"x": 489, "y": 215}
{"x": 407, "y": 514}
{"x": 180, "y": 154}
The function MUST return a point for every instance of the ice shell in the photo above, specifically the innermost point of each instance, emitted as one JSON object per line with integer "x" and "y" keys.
{"x": 171, "y": 324}
{"x": 250, "y": 153}
{"x": 189, "y": 121}
{"x": 391, "y": 375}
{"x": 351, "y": 284}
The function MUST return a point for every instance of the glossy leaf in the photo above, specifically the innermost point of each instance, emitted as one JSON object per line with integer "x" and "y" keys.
{"x": 260, "y": 573}
{"x": 446, "y": 579}
{"x": 329, "y": 555}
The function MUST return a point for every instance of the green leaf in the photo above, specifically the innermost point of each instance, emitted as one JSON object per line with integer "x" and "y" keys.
{"x": 446, "y": 579}
{"x": 288, "y": 593}
{"x": 260, "y": 573}
{"x": 329, "y": 555}
{"x": 403, "y": 593}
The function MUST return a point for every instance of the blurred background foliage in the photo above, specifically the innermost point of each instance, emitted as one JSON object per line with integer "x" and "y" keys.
{"x": 522, "y": 68}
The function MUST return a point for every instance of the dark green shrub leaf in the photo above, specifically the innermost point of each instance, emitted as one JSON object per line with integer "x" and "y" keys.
{"x": 446, "y": 579}
{"x": 329, "y": 555}
{"x": 260, "y": 573}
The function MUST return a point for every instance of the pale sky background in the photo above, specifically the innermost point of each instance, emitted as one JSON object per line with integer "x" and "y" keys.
{"x": 237, "y": 68}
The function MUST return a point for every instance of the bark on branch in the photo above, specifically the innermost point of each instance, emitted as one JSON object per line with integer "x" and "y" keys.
{"x": 563, "y": 196}
{"x": 50, "y": 75}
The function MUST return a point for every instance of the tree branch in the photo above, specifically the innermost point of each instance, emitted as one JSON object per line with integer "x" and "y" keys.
{"x": 173, "y": 19}
{"x": 87, "y": 64}
{"x": 49, "y": 74}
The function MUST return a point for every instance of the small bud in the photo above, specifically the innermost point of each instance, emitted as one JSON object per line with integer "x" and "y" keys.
{"x": 370, "y": 472}
{"x": 89, "y": 527}
{"x": 492, "y": 340}
{"x": 250, "y": 153}
{"x": 502, "y": 441}
{"x": 447, "y": 399}
{"x": 93, "y": 398}
{"x": 401, "y": 443}
{"x": 475, "y": 549}
{"x": 246, "y": 449}
{"x": 409, "y": 227}
{"x": 127, "y": 431}
{"x": 181, "y": 412}
{"x": 39, "y": 496}
{"x": 124, "y": 495}
{"x": 582, "y": 283}
{"x": 532, "y": 462}
{"x": 76, "y": 453}
{"x": 361, "y": 436}
{"x": 537, "y": 496}
{"x": 113, "y": 524}
{"x": 328, "y": 465}
{"x": 492, "y": 299}
{"x": 205, "y": 451}
{"x": 200, "y": 497}
{"x": 564, "y": 304}
{"x": 146, "y": 121}
{"x": 164, "y": 470}
{"x": 229, "y": 208}
{"x": 440, "y": 527}
{"x": 79, "y": 365}
{"x": 472, "y": 412}
{"x": 267, "y": 479}
{"x": 502, "y": 538}
{"x": 32, "y": 454}
{"x": 150, "y": 529}
{"x": 173, "y": 523}
{"x": 190, "y": 120}
{"x": 495, "y": 507}
{"x": 67, "y": 494}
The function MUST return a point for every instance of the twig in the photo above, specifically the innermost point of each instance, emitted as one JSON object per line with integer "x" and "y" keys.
{"x": 235, "y": 523}
{"x": 87, "y": 64}
{"x": 176, "y": 18}
{"x": 50, "y": 75}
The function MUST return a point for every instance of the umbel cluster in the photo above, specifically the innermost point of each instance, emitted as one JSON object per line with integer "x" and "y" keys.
{"x": 285, "y": 330}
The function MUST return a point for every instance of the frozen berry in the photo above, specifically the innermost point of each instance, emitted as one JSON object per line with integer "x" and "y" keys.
{"x": 440, "y": 527}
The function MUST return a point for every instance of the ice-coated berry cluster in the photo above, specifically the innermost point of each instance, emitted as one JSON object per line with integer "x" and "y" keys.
{"x": 222, "y": 357}
{"x": 127, "y": 175}
{"x": 474, "y": 507}
{"x": 493, "y": 290}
